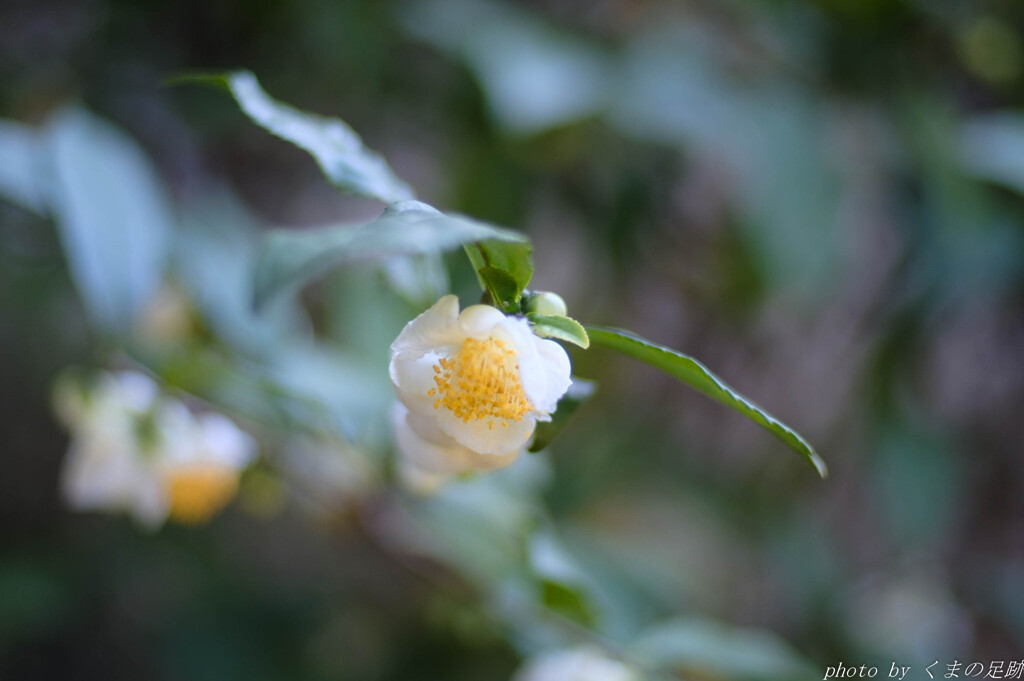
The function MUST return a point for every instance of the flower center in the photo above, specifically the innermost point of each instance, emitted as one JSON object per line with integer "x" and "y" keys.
{"x": 481, "y": 382}
{"x": 197, "y": 492}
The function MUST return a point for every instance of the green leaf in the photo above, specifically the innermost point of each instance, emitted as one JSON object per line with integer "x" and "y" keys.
{"x": 579, "y": 392}
{"x": 218, "y": 80}
{"x": 419, "y": 280}
{"x": 533, "y": 77}
{"x": 564, "y": 585}
{"x": 501, "y": 286}
{"x": 113, "y": 216}
{"x": 21, "y": 162}
{"x": 567, "y": 601}
{"x": 698, "y": 376}
{"x": 562, "y": 328}
{"x": 291, "y": 257}
{"x": 217, "y": 247}
{"x": 705, "y": 649}
{"x": 504, "y": 268}
{"x": 338, "y": 383}
{"x": 337, "y": 148}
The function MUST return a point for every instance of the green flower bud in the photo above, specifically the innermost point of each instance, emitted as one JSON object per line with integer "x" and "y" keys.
{"x": 546, "y": 304}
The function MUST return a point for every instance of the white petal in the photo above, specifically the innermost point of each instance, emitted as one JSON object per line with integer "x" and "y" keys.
{"x": 150, "y": 503}
{"x": 544, "y": 367}
{"x": 96, "y": 470}
{"x": 425, "y": 455}
{"x": 413, "y": 379}
{"x": 435, "y": 328}
{"x": 178, "y": 433}
{"x": 500, "y": 441}
{"x": 556, "y": 372}
{"x": 425, "y": 425}
{"x": 515, "y": 331}
{"x": 102, "y": 474}
{"x": 224, "y": 442}
{"x": 438, "y": 459}
{"x": 84, "y": 482}
{"x": 477, "y": 321}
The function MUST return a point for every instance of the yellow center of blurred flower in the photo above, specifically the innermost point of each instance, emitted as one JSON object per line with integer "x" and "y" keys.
{"x": 481, "y": 381}
{"x": 197, "y": 492}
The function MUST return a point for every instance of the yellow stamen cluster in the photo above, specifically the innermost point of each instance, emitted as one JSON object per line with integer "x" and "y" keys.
{"x": 481, "y": 382}
{"x": 198, "y": 492}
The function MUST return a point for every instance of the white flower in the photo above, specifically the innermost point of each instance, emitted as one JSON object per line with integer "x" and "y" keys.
{"x": 201, "y": 461}
{"x": 473, "y": 386}
{"x": 104, "y": 469}
{"x": 135, "y": 451}
{"x": 429, "y": 460}
{"x": 586, "y": 663}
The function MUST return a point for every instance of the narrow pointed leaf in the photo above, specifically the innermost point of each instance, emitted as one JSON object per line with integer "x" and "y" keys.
{"x": 113, "y": 216}
{"x": 696, "y": 375}
{"x": 291, "y": 258}
{"x": 579, "y": 392}
{"x": 559, "y": 327}
{"x": 338, "y": 150}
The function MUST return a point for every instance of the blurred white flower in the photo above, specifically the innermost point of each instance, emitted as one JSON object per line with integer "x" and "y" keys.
{"x": 472, "y": 386}
{"x": 202, "y": 459}
{"x": 135, "y": 451}
{"x": 586, "y": 663}
{"x": 103, "y": 468}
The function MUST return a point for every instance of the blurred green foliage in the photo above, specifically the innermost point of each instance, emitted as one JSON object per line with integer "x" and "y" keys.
{"x": 819, "y": 198}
